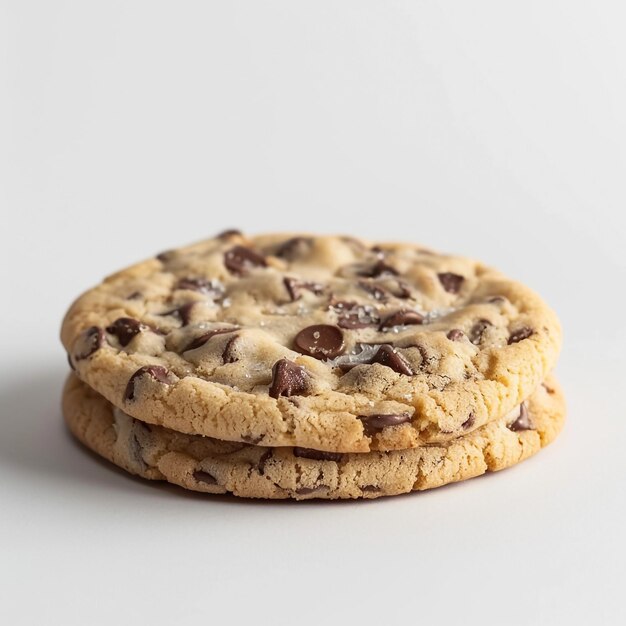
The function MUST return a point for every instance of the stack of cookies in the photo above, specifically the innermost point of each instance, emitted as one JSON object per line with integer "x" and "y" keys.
{"x": 311, "y": 367}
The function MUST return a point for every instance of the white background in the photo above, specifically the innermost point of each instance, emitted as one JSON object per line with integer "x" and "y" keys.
{"x": 493, "y": 129}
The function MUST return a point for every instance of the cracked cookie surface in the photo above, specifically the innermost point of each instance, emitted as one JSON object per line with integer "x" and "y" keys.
{"x": 330, "y": 343}
{"x": 209, "y": 465}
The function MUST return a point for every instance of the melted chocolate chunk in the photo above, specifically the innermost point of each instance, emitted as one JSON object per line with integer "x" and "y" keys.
{"x": 183, "y": 313}
{"x": 523, "y": 333}
{"x": 305, "y": 491}
{"x": 390, "y": 357}
{"x": 295, "y": 287}
{"x": 89, "y": 342}
{"x": 404, "y": 317}
{"x": 451, "y": 282}
{"x": 228, "y": 355}
{"x": 204, "y": 477}
{"x": 375, "y": 423}
{"x": 455, "y": 334}
{"x": 352, "y": 315}
{"x": 239, "y": 260}
{"x": 317, "y": 455}
{"x": 478, "y": 330}
{"x": 469, "y": 422}
{"x": 157, "y": 372}
{"x": 321, "y": 341}
{"x": 202, "y": 339}
{"x": 125, "y": 329}
{"x": 288, "y": 379}
{"x": 380, "y": 268}
{"x": 378, "y": 293}
{"x": 523, "y": 422}
{"x": 212, "y": 288}
{"x": 293, "y": 248}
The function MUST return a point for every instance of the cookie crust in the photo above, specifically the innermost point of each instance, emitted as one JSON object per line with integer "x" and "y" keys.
{"x": 191, "y": 340}
{"x": 213, "y": 466}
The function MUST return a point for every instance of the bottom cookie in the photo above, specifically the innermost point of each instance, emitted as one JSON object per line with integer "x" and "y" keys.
{"x": 213, "y": 466}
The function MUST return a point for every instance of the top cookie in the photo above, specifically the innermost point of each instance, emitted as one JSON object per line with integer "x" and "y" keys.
{"x": 330, "y": 343}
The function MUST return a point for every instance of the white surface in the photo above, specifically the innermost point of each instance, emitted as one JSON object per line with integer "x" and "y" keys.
{"x": 494, "y": 129}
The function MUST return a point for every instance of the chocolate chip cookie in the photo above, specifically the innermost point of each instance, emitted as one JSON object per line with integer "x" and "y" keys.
{"x": 212, "y": 466}
{"x": 328, "y": 343}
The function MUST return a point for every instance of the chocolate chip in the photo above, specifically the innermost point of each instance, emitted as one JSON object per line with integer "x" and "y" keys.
{"x": 469, "y": 422}
{"x": 321, "y": 341}
{"x": 265, "y": 457}
{"x": 240, "y": 259}
{"x": 295, "y": 286}
{"x": 136, "y": 452}
{"x": 359, "y": 317}
{"x": 380, "y": 268}
{"x": 427, "y": 360}
{"x": 229, "y": 234}
{"x": 523, "y": 333}
{"x": 165, "y": 256}
{"x": 451, "y": 282}
{"x": 288, "y": 379}
{"x": 183, "y": 313}
{"x": 125, "y": 328}
{"x": 370, "y": 488}
{"x": 378, "y": 293}
{"x": 523, "y": 422}
{"x": 478, "y": 330}
{"x": 89, "y": 342}
{"x": 135, "y": 447}
{"x": 455, "y": 334}
{"x": 204, "y": 477}
{"x": 157, "y": 372}
{"x": 228, "y": 355}
{"x": 400, "y": 290}
{"x": 390, "y": 357}
{"x": 375, "y": 423}
{"x": 404, "y": 317}
{"x": 212, "y": 288}
{"x": 362, "y": 357}
{"x": 202, "y": 339}
{"x": 353, "y": 315}
{"x": 305, "y": 491}
{"x": 293, "y": 248}
{"x": 317, "y": 455}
